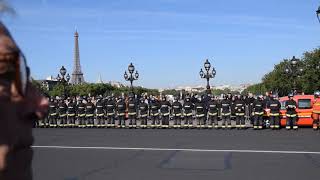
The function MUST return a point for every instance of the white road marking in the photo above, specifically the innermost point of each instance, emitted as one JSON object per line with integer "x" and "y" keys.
{"x": 186, "y": 150}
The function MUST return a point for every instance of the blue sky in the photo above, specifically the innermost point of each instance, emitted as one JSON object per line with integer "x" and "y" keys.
{"x": 167, "y": 40}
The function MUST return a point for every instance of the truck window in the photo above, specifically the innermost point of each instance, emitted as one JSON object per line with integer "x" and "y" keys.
{"x": 304, "y": 103}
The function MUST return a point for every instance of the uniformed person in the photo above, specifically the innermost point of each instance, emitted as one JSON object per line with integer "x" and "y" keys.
{"x": 229, "y": 96}
{"x": 90, "y": 109}
{"x": 249, "y": 107}
{"x": 100, "y": 112}
{"x": 274, "y": 105}
{"x": 267, "y": 99}
{"x": 176, "y": 113}
{"x": 240, "y": 106}
{"x": 53, "y": 115}
{"x": 258, "y": 111}
{"x": 165, "y": 112}
{"x": 291, "y": 113}
{"x": 200, "y": 113}
{"x": 110, "y": 111}
{"x": 143, "y": 113}
{"x": 213, "y": 108}
{"x": 121, "y": 112}
{"x": 194, "y": 98}
{"x": 71, "y": 113}
{"x": 81, "y": 113}
{"x": 110, "y": 105}
{"x": 62, "y": 113}
{"x": 188, "y": 107}
{"x": 132, "y": 111}
{"x": 233, "y": 110}
{"x": 226, "y": 112}
{"x": 154, "y": 112}
{"x": 316, "y": 111}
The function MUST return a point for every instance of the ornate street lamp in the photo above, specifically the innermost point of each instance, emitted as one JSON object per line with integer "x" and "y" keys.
{"x": 132, "y": 76}
{"x": 294, "y": 70}
{"x": 207, "y": 74}
{"x": 63, "y": 79}
{"x": 68, "y": 77}
{"x": 63, "y": 71}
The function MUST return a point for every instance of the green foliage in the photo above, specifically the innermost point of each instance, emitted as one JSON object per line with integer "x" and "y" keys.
{"x": 38, "y": 86}
{"x": 96, "y": 89}
{"x": 140, "y": 90}
{"x": 279, "y": 82}
{"x": 218, "y": 92}
{"x": 311, "y": 78}
{"x": 90, "y": 89}
{"x": 57, "y": 90}
{"x": 171, "y": 92}
{"x": 256, "y": 89}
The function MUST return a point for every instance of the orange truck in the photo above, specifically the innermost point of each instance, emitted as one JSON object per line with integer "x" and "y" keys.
{"x": 305, "y": 109}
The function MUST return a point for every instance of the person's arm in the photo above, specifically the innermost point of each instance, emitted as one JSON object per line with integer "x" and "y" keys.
{"x": 286, "y": 104}
{"x": 36, "y": 104}
{"x": 4, "y": 149}
{"x": 5, "y": 137}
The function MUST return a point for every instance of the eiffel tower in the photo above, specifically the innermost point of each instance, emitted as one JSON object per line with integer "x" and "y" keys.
{"x": 77, "y": 75}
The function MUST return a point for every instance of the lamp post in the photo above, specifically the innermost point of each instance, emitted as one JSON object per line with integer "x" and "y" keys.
{"x": 63, "y": 79}
{"x": 294, "y": 70}
{"x": 207, "y": 74}
{"x": 132, "y": 76}
{"x": 318, "y": 14}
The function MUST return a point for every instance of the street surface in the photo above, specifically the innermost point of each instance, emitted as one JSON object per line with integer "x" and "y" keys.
{"x": 139, "y": 154}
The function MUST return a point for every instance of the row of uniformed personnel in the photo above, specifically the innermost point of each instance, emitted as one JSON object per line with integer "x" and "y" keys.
{"x": 206, "y": 111}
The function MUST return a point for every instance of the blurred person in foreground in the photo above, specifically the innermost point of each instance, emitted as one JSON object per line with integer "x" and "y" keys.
{"x": 20, "y": 105}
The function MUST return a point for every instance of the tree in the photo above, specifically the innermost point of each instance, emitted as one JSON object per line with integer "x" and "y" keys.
{"x": 97, "y": 89}
{"x": 281, "y": 83}
{"x": 57, "y": 90}
{"x": 42, "y": 89}
{"x": 256, "y": 89}
{"x": 171, "y": 92}
{"x": 278, "y": 81}
{"x": 311, "y": 78}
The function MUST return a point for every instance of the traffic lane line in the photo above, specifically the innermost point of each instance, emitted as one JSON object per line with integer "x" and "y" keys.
{"x": 169, "y": 149}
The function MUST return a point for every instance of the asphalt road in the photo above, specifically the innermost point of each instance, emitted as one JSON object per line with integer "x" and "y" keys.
{"x": 98, "y": 154}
